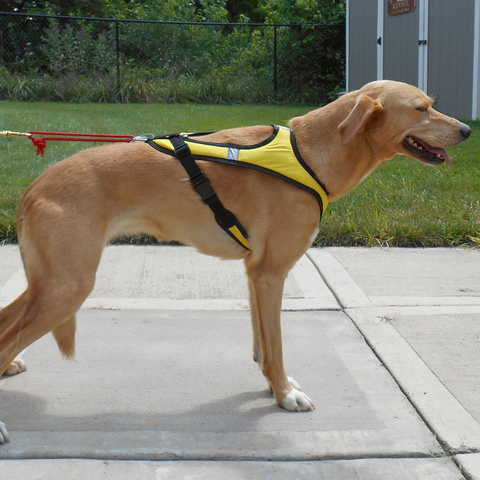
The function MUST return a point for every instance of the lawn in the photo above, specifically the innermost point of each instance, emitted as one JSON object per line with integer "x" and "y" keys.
{"x": 403, "y": 204}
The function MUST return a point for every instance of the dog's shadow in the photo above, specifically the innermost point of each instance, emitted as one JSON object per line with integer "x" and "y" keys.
{"x": 241, "y": 412}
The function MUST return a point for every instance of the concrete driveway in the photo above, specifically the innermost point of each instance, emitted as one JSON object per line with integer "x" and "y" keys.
{"x": 386, "y": 342}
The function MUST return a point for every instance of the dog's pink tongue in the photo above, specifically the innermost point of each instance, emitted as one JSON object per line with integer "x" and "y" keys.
{"x": 440, "y": 151}
{"x": 443, "y": 153}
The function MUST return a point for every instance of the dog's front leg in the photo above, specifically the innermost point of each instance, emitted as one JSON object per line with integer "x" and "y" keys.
{"x": 266, "y": 289}
{"x": 257, "y": 351}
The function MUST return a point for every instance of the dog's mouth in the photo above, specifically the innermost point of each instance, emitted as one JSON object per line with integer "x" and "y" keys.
{"x": 428, "y": 154}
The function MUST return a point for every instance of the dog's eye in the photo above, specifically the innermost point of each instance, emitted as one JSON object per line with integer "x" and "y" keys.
{"x": 421, "y": 109}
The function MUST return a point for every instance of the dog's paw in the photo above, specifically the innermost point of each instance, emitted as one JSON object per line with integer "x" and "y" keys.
{"x": 297, "y": 401}
{"x": 294, "y": 384}
{"x": 17, "y": 366}
{"x": 4, "y": 437}
{"x": 292, "y": 381}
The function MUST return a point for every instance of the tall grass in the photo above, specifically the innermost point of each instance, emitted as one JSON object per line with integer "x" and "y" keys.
{"x": 136, "y": 86}
{"x": 404, "y": 203}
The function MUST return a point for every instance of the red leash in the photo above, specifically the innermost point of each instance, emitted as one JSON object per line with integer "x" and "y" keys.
{"x": 41, "y": 142}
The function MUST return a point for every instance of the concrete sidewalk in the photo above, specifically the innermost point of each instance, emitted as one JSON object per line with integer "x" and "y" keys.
{"x": 386, "y": 342}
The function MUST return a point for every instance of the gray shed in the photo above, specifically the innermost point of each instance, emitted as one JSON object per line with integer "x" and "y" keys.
{"x": 433, "y": 44}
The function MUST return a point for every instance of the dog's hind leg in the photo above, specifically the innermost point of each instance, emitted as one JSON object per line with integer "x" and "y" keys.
{"x": 16, "y": 366}
{"x": 266, "y": 289}
{"x": 11, "y": 312}
{"x": 53, "y": 307}
{"x": 60, "y": 277}
{"x": 58, "y": 284}
{"x": 8, "y": 316}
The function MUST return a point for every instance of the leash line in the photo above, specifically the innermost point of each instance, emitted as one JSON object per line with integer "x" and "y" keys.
{"x": 41, "y": 142}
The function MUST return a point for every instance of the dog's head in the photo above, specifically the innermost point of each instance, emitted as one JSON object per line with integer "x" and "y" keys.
{"x": 399, "y": 119}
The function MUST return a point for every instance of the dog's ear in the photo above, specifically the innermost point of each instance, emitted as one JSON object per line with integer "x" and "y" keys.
{"x": 363, "y": 111}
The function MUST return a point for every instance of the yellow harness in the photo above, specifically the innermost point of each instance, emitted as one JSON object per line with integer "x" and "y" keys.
{"x": 278, "y": 155}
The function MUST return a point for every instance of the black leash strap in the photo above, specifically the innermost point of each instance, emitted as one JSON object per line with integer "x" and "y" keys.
{"x": 225, "y": 219}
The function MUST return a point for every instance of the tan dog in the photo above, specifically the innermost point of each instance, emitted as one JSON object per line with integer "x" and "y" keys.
{"x": 69, "y": 214}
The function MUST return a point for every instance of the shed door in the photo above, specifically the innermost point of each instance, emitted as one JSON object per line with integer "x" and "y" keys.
{"x": 450, "y": 54}
{"x": 362, "y": 43}
{"x": 400, "y": 46}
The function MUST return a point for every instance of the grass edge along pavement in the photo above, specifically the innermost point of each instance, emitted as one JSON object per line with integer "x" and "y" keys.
{"x": 403, "y": 203}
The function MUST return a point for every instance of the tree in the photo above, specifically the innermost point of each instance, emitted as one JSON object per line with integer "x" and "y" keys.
{"x": 16, "y": 5}
{"x": 270, "y": 11}
{"x": 88, "y": 8}
{"x": 303, "y": 11}
{"x": 244, "y": 11}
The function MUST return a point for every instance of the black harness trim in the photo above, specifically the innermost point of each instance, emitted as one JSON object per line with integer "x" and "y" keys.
{"x": 200, "y": 182}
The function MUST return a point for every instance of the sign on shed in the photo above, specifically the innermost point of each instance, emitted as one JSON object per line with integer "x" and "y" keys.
{"x": 396, "y": 7}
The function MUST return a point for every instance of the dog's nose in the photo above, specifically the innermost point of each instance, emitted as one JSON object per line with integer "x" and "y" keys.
{"x": 465, "y": 130}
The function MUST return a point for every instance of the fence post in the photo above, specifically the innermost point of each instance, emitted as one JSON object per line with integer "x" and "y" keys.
{"x": 118, "y": 55}
{"x": 275, "y": 62}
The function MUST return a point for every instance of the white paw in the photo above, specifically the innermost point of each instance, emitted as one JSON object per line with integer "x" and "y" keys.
{"x": 292, "y": 381}
{"x": 297, "y": 401}
{"x": 294, "y": 384}
{"x": 4, "y": 437}
{"x": 17, "y": 366}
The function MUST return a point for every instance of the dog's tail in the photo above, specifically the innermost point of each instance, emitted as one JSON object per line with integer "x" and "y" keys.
{"x": 65, "y": 336}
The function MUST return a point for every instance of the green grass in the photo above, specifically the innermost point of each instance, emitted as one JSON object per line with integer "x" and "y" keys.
{"x": 144, "y": 86}
{"x": 404, "y": 203}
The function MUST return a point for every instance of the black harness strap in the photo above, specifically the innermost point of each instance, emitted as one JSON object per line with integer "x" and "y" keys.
{"x": 225, "y": 219}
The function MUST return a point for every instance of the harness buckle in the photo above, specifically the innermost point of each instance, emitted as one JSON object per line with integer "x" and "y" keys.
{"x": 182, "y": 150}
{"x": 202, "y": 186}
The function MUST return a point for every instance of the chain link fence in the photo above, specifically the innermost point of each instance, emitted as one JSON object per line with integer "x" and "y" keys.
{"x": 85, "y": 59}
